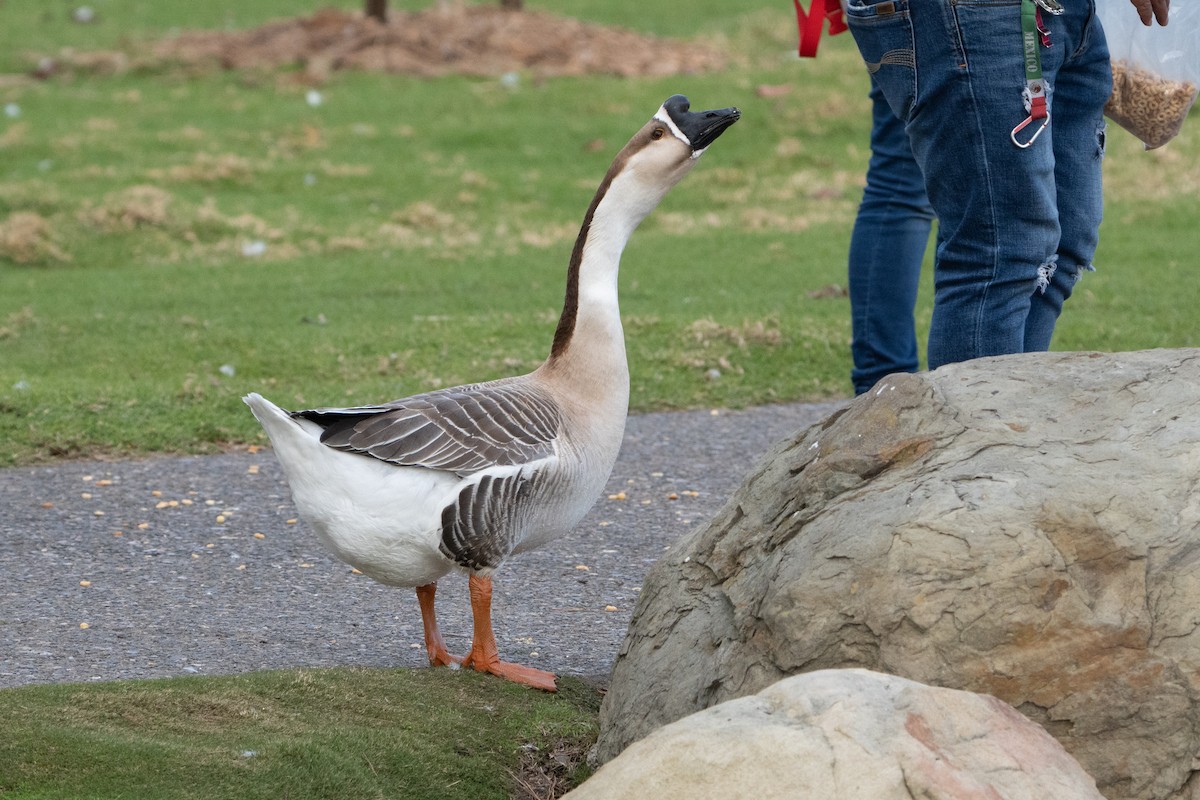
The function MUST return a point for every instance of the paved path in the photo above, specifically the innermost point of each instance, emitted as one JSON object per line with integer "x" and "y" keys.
{"x": 196, "y": 565}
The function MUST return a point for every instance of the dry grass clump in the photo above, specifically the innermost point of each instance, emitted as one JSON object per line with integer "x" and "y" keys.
{"x": 422, "y": 225}
{"x": 1147, "y": 105}
{"x": 16, "y": 322}
{"x": 751, "y": 332}
{"x": 28, "y": 238}
{"x": 139, "y": 206}
{"x": 208, "y": 168}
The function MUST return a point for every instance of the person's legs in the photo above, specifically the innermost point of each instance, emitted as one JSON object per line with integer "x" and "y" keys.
{"x": 887, "y": 246}
{"x": 1000, "y": 223}
{"x": 1082, "y": 86}
{"x": 954, "y": 72}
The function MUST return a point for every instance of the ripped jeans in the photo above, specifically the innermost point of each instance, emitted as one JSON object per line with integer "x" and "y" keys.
{"x": 1016, "y": 227}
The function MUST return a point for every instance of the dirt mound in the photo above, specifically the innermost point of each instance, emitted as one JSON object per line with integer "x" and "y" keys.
{"x": 449, "y": 38}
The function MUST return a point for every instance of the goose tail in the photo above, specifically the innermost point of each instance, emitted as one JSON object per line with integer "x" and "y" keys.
{"x": 269, "y": 415}
{"x": 288, "y": 435}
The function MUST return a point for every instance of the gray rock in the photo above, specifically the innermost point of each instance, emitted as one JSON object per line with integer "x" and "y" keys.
{"x": 1025, "y": 526}
{"x": 846, "y": 735}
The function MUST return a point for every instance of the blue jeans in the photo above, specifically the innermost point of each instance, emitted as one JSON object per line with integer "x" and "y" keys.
{"x": 1016, "y": 227}
{"x": 886, "y": 250}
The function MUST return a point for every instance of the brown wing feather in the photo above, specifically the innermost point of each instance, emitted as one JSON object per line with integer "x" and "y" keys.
{"x": 463, "y": 429}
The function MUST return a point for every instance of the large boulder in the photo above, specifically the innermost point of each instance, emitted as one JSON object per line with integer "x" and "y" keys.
{"x": 1025, "y": 526}
{"x": 846, "y": 735}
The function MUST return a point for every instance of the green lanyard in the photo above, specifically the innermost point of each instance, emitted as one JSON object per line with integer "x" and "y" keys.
{"x": 1033, "y": 37}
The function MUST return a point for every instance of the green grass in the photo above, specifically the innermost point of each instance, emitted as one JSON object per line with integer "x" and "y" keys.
{"x": 414, "y": 233}
{"x": 342, "y": 733}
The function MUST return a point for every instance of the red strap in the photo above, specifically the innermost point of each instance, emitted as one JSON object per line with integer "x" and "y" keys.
{"x": 1037, "y": 108}
{"x": 837, "y": 24}
{"x": 810, "y": 24}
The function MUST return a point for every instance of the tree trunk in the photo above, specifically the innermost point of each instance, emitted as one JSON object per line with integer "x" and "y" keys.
{"x": 377, "y": 9}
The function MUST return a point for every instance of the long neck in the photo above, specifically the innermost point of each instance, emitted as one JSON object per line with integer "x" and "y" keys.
{"x": 591, "y": 317}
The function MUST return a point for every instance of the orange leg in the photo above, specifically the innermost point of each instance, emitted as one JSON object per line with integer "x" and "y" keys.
{"x": 484, "y": 655}
{"x": 434, "y": 645}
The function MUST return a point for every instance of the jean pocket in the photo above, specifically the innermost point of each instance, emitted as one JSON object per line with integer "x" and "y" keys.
{"x": 884, "y": 34}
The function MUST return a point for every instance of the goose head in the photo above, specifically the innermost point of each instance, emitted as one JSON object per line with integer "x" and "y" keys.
{"x": 695, "y": 129}
{"x": 664, "y": 151}
{"x": 667, "y": 147}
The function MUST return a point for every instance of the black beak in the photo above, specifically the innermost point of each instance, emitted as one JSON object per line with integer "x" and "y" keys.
{"x": 700, "y": 127}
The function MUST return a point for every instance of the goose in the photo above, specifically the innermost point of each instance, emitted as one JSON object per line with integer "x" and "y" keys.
{"x": 463, "y": 477}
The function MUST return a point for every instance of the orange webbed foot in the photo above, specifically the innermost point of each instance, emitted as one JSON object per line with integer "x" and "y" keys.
{"x": 517, "y": 673}
{"x": 442, "y": 658}
{"x": 484, "y": 657}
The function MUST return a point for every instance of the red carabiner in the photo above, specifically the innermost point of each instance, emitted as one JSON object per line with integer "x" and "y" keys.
{"x": 1024, "y": 124}
{"x": 1037, "y": 110}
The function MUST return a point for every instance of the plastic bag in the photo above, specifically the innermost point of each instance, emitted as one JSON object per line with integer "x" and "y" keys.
{"x": 1156, "y": 69}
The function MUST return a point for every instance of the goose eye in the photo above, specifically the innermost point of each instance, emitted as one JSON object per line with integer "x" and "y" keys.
{"x": 657, "y": 133}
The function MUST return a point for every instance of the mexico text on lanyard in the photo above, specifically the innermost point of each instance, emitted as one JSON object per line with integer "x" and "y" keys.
{"x": 1034, "y": 36}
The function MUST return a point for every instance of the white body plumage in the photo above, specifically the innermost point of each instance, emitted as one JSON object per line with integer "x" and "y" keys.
{"x": 386, "y": 520}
